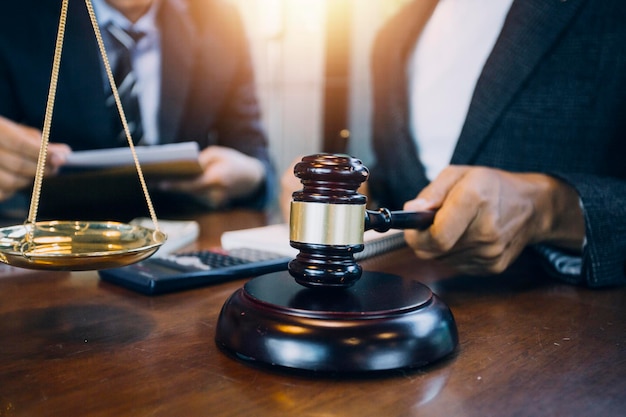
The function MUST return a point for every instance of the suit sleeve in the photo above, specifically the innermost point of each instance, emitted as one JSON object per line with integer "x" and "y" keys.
{"x": 238, "y": 122}
{"x": 604, "y": 207}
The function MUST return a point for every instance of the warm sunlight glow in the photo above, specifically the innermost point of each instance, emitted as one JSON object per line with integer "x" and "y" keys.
{"x": 288, "y": 40}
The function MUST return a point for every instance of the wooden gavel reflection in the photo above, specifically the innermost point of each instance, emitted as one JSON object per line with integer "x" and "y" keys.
{"x": 328, "y": 219}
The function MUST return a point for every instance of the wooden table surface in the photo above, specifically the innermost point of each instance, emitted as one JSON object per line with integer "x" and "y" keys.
{"x": 71, "y": 345}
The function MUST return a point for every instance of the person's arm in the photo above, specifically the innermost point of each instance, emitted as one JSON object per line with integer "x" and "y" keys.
{"x": 237, "y": 166}
{"x": 603, "y": 204}
{"x": 239, "y": 126}
{"x": 19, "y": 144}
{"x": 19, "y": 152}
{"x": 486, "y": 217}
{"x": 228, "y": 176}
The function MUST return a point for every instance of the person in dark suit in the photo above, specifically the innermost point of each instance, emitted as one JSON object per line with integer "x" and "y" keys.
{"x": 536, "y": 139}
{"x": 508, "y": 120}
{"x": 196, "y": 84}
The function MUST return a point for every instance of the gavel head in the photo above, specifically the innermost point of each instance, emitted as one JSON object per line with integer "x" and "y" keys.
{"x": 327, "y": 221}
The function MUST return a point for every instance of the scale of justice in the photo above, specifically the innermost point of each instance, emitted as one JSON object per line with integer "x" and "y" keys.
{"x": 324, "y": 314}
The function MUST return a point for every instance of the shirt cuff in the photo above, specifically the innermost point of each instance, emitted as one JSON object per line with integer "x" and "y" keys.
{"x": 564, "y": 263}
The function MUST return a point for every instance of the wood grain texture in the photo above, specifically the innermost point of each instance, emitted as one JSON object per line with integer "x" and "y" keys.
{"x": 71, "y": 345}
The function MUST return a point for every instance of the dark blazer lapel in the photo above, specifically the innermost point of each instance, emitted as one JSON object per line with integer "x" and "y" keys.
{"x": 531, "y": 28}
{"x": 178, "y": 48}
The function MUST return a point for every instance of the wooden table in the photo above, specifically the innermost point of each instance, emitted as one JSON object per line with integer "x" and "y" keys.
{"x": 71, "y": 345}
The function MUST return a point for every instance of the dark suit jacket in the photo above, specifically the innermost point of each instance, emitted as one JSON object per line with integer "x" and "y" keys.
{"x": 551, "y": 98}
{"x": 207, "y": 88}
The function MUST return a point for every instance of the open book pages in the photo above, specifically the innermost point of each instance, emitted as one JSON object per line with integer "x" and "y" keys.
{"x": 275, "y": 238}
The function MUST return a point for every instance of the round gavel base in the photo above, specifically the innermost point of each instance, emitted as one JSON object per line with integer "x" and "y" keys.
{"x": 382, "y": 322}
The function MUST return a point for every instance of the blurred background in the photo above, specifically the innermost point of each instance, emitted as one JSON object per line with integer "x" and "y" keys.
{"x": 312, "y": 63}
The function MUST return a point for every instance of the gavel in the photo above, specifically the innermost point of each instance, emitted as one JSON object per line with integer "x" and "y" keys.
{"x": 335, "y": 317}
{"x": 328, "y": 219}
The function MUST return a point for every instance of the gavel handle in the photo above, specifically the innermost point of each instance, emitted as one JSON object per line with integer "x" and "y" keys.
{"x": 384, "y": 219}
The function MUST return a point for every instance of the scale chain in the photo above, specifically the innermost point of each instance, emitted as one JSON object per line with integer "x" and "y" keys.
{"x": 41, "y": 162}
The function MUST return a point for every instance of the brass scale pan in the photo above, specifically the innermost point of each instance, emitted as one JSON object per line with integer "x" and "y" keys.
{"x": 77, "y": 245}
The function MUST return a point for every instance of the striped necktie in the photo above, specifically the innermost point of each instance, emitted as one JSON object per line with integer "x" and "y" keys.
{"x": 124, "y": 43}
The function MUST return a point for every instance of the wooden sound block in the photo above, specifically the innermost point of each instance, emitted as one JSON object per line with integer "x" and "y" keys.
{"x": 382, "y": 322}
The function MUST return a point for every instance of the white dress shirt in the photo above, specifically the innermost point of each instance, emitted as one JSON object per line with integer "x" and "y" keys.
{"x": 443, "y": 71}
{"x": 446, "y": 63}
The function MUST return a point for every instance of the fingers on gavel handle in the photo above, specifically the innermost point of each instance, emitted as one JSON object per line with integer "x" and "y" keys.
{"x": 385, "y": 219}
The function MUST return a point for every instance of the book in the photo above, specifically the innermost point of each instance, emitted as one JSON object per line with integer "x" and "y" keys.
{"x": 275, "y": 238}
{"x": 105, "y": 182}
{"x": 168, "y": 160}
{"x": 180, "y": 233}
